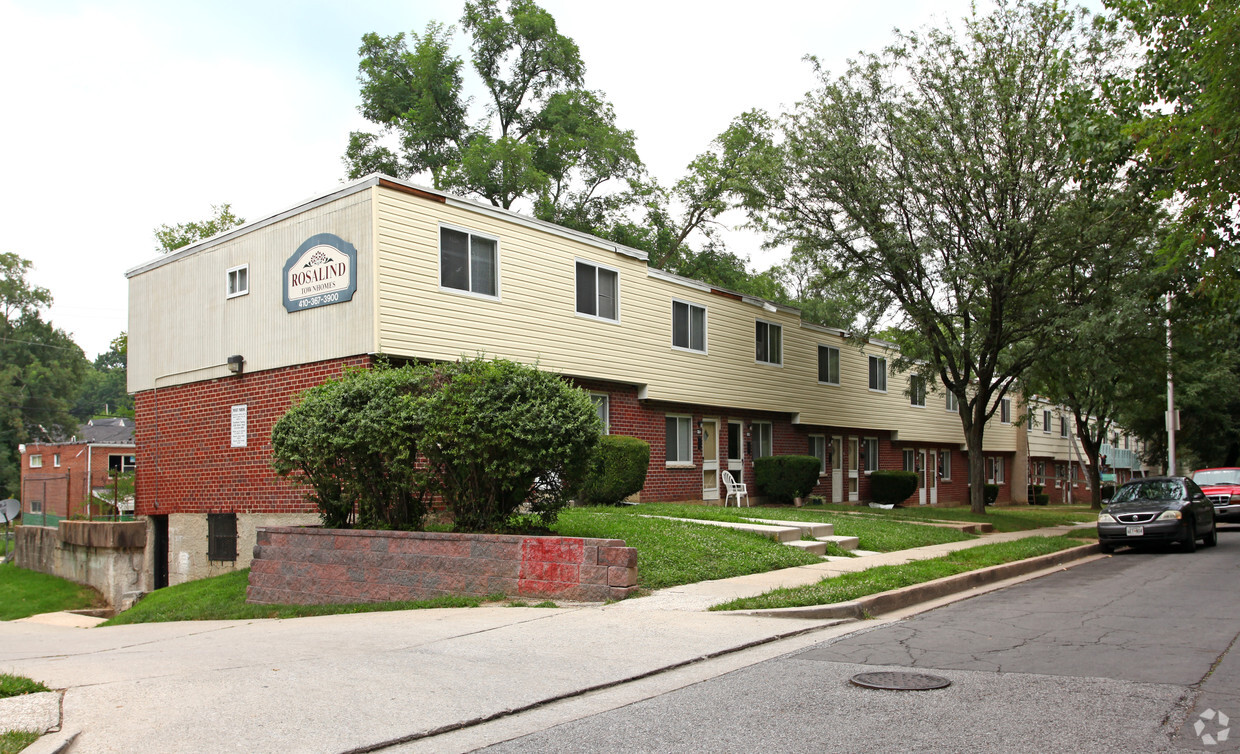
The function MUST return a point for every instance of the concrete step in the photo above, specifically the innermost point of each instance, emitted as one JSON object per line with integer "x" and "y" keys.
{"x": 863, "y": 553}
{"x": 817, "y": 548}
{"x": 776, "y": 533}
{"x": 806, "y": 527}
{"x": 842, "y": 542}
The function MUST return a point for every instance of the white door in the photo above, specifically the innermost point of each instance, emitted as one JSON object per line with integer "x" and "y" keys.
{"x": 932, "y": 471}
{"x": 854, "y": 470}
{"x": 736, "y": 450}
{"x": 923, "y": 473}
{"x": 710, "y": 459}
{"x": 837, "y": 469}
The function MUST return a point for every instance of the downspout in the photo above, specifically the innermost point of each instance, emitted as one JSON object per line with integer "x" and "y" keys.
{"x": 89, "y": 457}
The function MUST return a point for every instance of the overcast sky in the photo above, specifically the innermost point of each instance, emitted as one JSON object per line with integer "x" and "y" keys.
{"x": 123, "y": 115}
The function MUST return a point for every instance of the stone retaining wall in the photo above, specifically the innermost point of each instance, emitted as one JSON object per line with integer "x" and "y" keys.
{"x": 302, "y": 565}
{"x": 106, "y": 555}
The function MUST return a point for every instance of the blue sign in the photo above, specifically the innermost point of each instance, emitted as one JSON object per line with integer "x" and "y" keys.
{"x": 323, "y": 271}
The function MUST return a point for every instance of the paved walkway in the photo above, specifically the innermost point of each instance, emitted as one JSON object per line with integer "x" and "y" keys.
{"x": 355, "y": 682}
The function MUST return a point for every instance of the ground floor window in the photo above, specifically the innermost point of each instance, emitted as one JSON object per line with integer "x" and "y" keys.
{"x": 994, "y": 470}
{"x": 762, "y": 435}
{"x": 910, "y": 460}
{"x": 945, "y": 465}
{"x": 818, "y": 449}
{"x": 869, "y": 453}
{"x": 36, "y": 506}
{"x": 121, "y": 464}
{"x": 222, "y": 536}
{"x": 679, "y": 439}
{"x": 602, "y": 406}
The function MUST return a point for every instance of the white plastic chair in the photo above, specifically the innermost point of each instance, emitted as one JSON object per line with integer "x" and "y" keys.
{"x": 735, "y": 489}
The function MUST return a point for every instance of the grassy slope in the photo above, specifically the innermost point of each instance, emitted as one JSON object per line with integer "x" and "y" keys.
{"x": 24, "y": 593}
{"x": 1004, "y": 519}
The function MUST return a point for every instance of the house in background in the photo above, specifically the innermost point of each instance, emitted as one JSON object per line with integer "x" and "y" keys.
{"x": 57, "y": 477}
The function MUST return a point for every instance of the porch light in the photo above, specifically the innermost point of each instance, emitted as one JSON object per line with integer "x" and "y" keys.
{"x": 235, "y": 364}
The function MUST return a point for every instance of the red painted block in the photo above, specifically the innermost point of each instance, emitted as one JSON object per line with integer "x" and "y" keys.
{"x": 552, "y": 550}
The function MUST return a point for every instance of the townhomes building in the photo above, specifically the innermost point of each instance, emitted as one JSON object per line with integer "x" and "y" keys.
{"x": 224, "y": 335}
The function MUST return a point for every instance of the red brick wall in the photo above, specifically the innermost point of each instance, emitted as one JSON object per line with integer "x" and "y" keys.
{"x": 297, "y": 565}
{"x": 185, "y": 460}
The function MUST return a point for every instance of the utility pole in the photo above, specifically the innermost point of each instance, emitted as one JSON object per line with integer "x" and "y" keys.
{"x": 1172, "y": 418}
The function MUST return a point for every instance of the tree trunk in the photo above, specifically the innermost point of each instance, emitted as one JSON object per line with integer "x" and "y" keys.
{"x": 977, "y": 467}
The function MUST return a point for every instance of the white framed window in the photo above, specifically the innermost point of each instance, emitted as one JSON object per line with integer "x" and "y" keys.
{"x": 121, "y": 463}
{"x": 688, "y": 326}
{"x": 763, "y": 436}
{"x": 679, "y": 440}
{"x": 828, "y": 365}
{"x": 237, "y": 281}
{"x": 917, "y": 390}
{"x": 602, "y": 405}
{"x": 1063, "y": 426}
{"x": 1046, "y": 422}
{"x": 598, "y": 291}
{"x": 951, "y": 403}
{"x": 1031, "y": 422}
{"x": 1005, "y": 410}
{"x": 768, "y": 343}
{"x": 818, "y": 449}
{"x": 36, "y": 461}
{"x": 56, "y": 460}
{"x": 1126, "y": 441}
{"x": 869, "y": 451}
{"x": 36, "y": 506}
{"x": 468, "y": 262}
{"x": 994, "y": 470}
{"x": 910, "y": 459}
{"x": 878, "y": 373}
{"x": 945, "y": 464}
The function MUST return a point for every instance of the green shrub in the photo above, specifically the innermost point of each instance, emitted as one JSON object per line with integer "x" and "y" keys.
{"x": 1108, "y": 491}
{"x": 990, "y": 493}
{"x": 1041, "y": 499}
{"x": 353, "y": 442}
{"x": 497, "y": 435}
{"x": 617, "y": 470}
{"x": 892, "y": 487}
{"x": 784, "y": 478}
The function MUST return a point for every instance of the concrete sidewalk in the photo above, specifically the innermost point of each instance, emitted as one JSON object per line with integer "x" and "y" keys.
{"x": 359, "y": 682}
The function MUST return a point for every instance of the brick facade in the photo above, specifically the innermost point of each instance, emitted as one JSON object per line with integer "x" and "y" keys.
{"x": 186, "y": 460}
{"x": 323, "y": 566}
{"x": 60, "y": 486}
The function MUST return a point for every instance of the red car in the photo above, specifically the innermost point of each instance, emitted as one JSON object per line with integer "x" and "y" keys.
{"x": 1222, "y": 486}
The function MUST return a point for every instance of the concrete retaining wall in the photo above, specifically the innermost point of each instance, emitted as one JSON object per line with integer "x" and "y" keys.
{"x": 101, "y": 554}
{"x": 324, "y": 566}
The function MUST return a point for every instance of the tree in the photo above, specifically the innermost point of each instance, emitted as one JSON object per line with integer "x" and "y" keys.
{"x": 173, "y": 237}
{"x": 545, "y": 139}
{"x": 932, "y": 174}
{"x": 40, "y": 368}
{"x": 1188, "y": 126}
{"x": 104, "y": 390}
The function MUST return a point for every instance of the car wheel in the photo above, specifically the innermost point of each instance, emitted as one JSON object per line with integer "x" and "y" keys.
{"x": 1190, "y": 536}
{"x": 1106, "y": 547}
{"x": 1211, "y": 539}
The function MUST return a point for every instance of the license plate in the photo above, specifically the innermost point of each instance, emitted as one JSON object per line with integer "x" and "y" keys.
{"x": 1135, "y": 531}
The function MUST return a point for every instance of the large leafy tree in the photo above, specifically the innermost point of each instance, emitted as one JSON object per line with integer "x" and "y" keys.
{"x": 104, "y": 389}
{"x": 173, "y": 237}
{"x": 545, "y": 138}
{"x": 40, "y": 368}
{"x": 933, "y": 174}
{"x": 1188, "y": 127}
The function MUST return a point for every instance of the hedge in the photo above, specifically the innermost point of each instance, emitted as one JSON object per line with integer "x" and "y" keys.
{"x": 784, "y": 478}
{"x": 892, "y": 487}
{"x": 617, "y": 470}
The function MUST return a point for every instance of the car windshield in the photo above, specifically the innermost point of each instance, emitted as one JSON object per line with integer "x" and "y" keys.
{"x": 1155, "y": 489}
{"x": 1216, "y": 476}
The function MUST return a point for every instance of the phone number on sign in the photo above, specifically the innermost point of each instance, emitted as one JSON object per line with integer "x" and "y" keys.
{"x": 326, "y": 298}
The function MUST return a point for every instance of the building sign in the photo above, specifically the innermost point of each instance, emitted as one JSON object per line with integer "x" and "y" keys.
{"x": 240, "y": 419}
{"x": 322, "y": 271}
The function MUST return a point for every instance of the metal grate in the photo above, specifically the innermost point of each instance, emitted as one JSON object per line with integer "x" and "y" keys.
{"x": 222, "y": 537}
{"x": 1135, "y": 518}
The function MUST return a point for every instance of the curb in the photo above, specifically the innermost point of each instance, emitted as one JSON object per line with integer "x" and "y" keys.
{"x": 898, "y": 599}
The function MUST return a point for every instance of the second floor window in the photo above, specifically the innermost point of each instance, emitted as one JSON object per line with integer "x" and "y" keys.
{"x": 917, "y": 391}
{"x": 829, "y": 365}
{"x": 468, "y": 262}
{"x": 1005, "y": 410}
{"x": 598, "y": 291}
{"x": 688, "y": 326}
{"x": 768, "y": 343}
{"x": 878, "y": 373}
{"x": 1046, "y": 422}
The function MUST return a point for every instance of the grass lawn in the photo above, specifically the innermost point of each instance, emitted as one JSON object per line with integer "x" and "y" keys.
{"x": 24, "y": 593}
{"x": 1015, "y": 518}
{"x": 670, "y": 553}
{"x": 850, "y": 586}
{"x": 223, "y": 598}
{"x": 14, "y": 741}
{"x": 874, "y": 533}
{"x": 16, "y": 685}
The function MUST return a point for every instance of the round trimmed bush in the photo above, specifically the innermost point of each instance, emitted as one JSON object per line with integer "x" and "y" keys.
{"x": 892, "y": 487}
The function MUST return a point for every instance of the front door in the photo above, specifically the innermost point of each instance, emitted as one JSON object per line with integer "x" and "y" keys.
{"x": 736, "y": 450}
{"x": 932, "y": 472}
{"x": 923, "y": 473}
{"x": 710, "y": 459}
{"x": 837, "y": 469}
{"x": 854, "y": 470}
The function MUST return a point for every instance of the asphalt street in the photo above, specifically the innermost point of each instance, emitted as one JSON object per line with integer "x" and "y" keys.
{"x": 1126, "y": 653}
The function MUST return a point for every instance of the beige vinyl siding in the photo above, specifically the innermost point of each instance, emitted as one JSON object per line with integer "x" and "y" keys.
{"x": 1043, "y": 445}
{"x": 534, "y": 319}
{"x": 182, "y": 327}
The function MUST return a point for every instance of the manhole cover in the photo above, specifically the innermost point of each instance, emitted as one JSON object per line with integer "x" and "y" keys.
{"x": 898, "y": 681}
